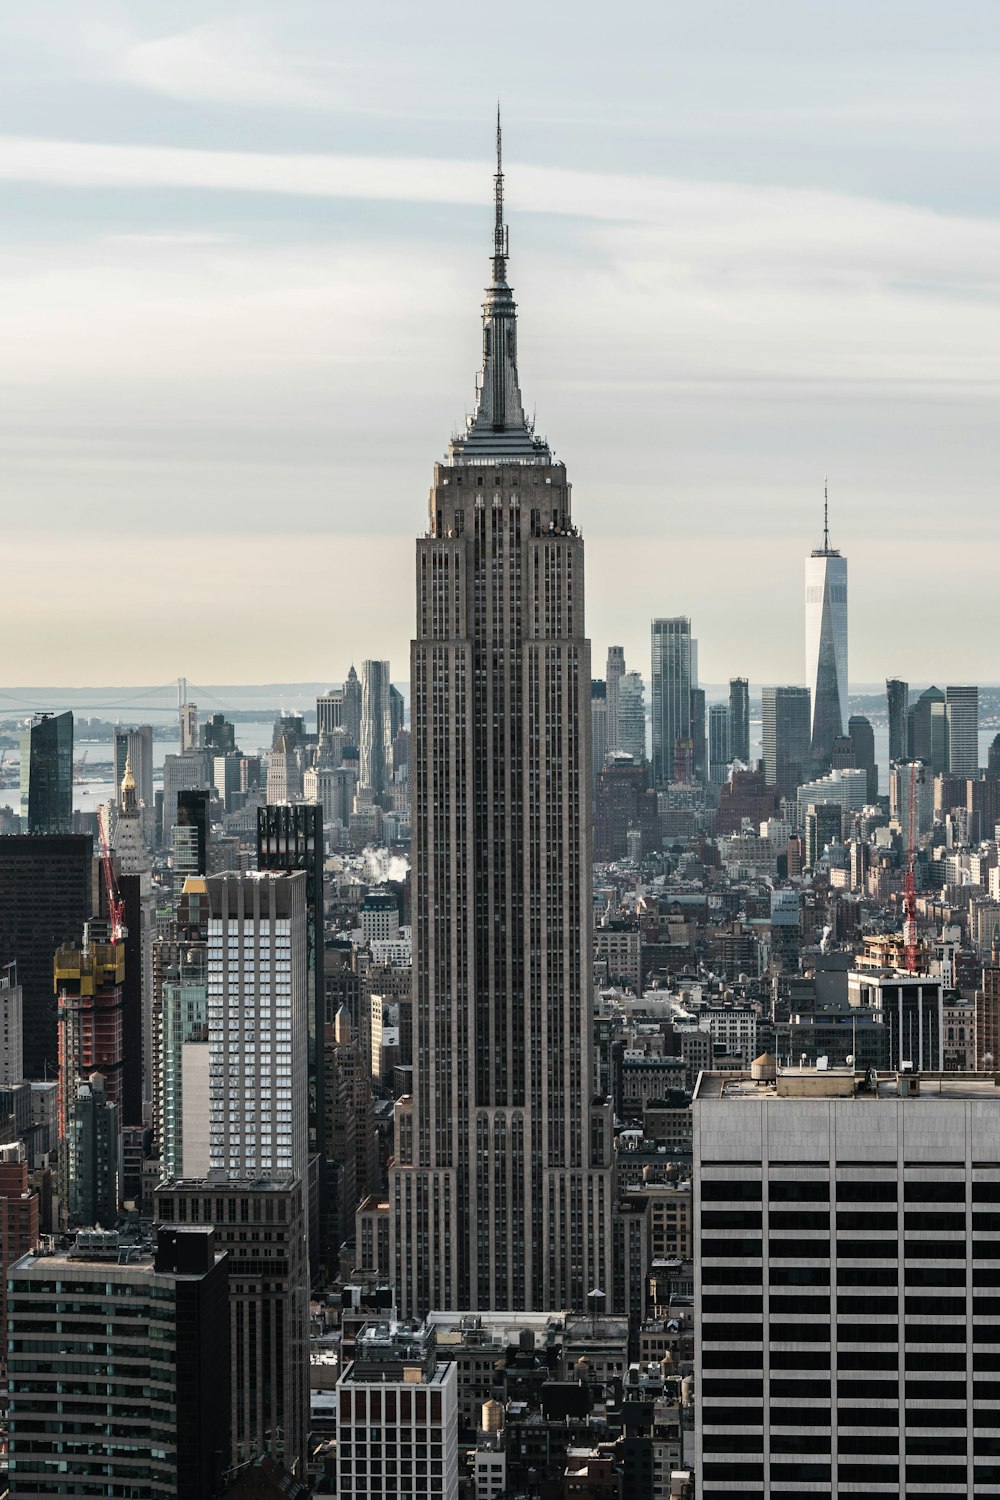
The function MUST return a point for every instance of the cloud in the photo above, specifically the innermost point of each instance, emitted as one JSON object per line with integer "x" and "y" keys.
{"x": 227, "y": 62}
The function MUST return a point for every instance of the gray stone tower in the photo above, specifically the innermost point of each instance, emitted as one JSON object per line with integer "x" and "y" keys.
{"x": 500, "y": 1195}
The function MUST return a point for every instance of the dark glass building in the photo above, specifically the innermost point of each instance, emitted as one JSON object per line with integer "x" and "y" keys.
{"x": 47, "y": 774}
{"x": 897, "y": 694}
{"x": 739, "y": 719}
{"x": 46, "y": 891}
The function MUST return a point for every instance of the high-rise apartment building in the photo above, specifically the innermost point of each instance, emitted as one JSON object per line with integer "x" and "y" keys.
{"x": 632, "y": 717}
{"x": 120, "y": 1373}
{"x": 826, "y": 644}
{"x": 46, "y": 888}
{"x": 258, "y": 1023}
{"x": 184, "y": 1062}
{"x": 719, "y": 743}
{"x": 599, "y": 725}
{"x": 672, "y": 683}
{"x": 135, "y": 882}
{"x": 614, "y": 673}
{"x": 897, "y": 695}
{"x": 699, "y": 743}
{"x": 188, "y": 716}
{"x": 500, "y": 1189}
{"x": 397, "y": 1418}
{"x": 18, "y": 1217}
{"x": 47, "y": 774}
{"x": 962, "y": 717}
{"x": 290, "y": 838}
{"x": 260, "y": 1223}
{"x": 786, "y": 738}
{"x": 739, "y": 719}
{"x": 93, "y": 1152}
{"x": 846, "y": 1314}
{"x": 195, "y": 770}
{"x": 376, "y": 727}
{"x": 90, "y": 986}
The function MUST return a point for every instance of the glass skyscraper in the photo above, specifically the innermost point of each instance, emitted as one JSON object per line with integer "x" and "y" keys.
{"x": 826, "y": 645}
{"x": 47, "y": 774}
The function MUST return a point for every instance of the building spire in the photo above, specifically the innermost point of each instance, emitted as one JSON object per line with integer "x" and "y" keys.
{"x": 499, "y": 228}
{"x": 499, "y": 427}
{"x": 826, "y": 517}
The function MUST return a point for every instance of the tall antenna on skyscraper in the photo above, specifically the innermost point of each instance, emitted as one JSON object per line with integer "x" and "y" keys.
{"x": 499, "y": 233}
{"x": 826, "y": 527}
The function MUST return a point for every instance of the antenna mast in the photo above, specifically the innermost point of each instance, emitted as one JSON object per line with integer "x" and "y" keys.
{"x": 499, "y": 233}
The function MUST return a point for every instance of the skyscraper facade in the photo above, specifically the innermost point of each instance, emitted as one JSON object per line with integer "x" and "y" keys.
{"x": 897, "y": 694}
{"x": 47, "y": 774}
{"x": 962, "y": 717}
{"x": 598, "y": 725}
{"x": 632, "y": 717}
{"x": 826, "y": 644}
{"x": 615, "y": 673}
{"x": 136, "y": 747}
{"x": 785, "y": 736}
{"x": 500, "y": 1190}
{"x": 257, "y": 1023}
{"x": 927, "y": 730}
{"x": 376, "y": 726}
{"x": 719, "y": 751}
{"x": 739, "y": 720}
{"x": 672, "y": 682}
{"x": 46, "y": 889}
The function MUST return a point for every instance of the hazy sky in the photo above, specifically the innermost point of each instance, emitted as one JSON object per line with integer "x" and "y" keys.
{"x": 242, "y": 261}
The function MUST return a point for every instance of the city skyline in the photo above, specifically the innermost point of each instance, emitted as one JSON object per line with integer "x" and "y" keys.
{"x": 225, "y": 253}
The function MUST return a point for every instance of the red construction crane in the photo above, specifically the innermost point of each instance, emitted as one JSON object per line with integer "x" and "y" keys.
{"x": 909, "y": 886}
{"x": 116, "y": 906}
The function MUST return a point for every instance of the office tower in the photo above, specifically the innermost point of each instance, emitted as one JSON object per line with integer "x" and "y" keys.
{"x": 786, "y": 737}
{"x": 18, "y": 1217}
{"x": 46, "y": 885}
{"x": 672, "y": 682}
{"x": 260, "y": 1223}
{"x": 47, "y": 774}
{"x": 993, "y": 759}
{"x": 927, "y": 730}
{"x": 189, "y": 839}
{"x": 822, "y": 822}
{"x": 376, "y": 727}
{"x": 192, "y": 771}
{"x": 143, "y": 1411}
{"x": 632, "y": 717}
{"x": 188, "y": 716}
{"x": 598, "y": 725}
{"x": 219, "y": 736}
{"x": 397, "y": 1426}
{"x": 290, "y": 838}
{"x": 352, "y": 707}
{"x": 699, "y": 748}
{"x": 719, "y": 743}
{"x": 135, "y": 883}
{"x": 911, "y": 1008}
{"x": 845, "y": 1249}
{"x": 500, "y": 1189}
{"x": 614, "y": 673}
{"x": 258, "y": 1023}
{"x": 826, "y": 644}
{"x": 962, "y": 718}
{"x": 136, "y": 747}
{"x": 90, "y": 986}
{"x": 397, "y": 714}
{"x": 739, "y": 719}
{"x": 897, "y": 694}
{"x": 284, "y": 771}
{"x": 11, "y": 1027}
{"x": 93, "y": 1156}
{"x": 184, "y": 1060}
{"x": 351, "y": 1143}
{"x": 862, "y": 737}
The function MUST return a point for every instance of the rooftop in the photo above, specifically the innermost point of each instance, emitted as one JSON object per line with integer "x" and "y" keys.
{"x": 846, "y": 1083}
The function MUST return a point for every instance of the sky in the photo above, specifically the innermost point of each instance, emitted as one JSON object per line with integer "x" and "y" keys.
{"x": 241, "y": 270}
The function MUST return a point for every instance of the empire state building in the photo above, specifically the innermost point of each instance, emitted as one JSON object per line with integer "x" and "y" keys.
{"x": 500, "y": 1193}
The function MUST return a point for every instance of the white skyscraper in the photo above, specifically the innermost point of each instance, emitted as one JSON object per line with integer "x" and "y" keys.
{"x": 258, "y": 1023}
{"x": 826, "y": 643}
